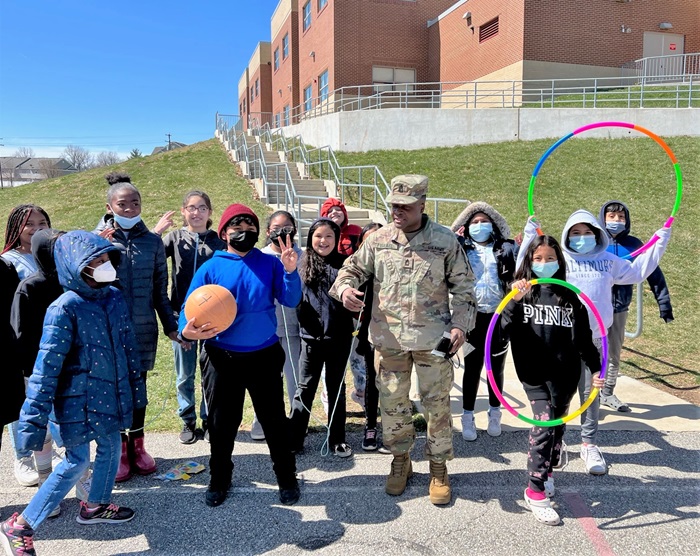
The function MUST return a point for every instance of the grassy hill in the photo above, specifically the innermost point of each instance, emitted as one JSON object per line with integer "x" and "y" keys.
{"x": 582, "y": 173}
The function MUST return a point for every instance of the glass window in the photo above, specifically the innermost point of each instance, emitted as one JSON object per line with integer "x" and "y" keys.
{"x": 285, "y": 46}
{"x": 393, "y": 79}
{"x": 257, "y": 87}
{"x": 323, "y": 86}
{"x": 277, "y": 59}
{"x": 277, "y": 119}
{"x": 252, "y": 93}
{"x": 322, "y": 4}
{"x": 286, "y": 115}
{"x": 308, "y": 99}
{"x": 306, "y": 11}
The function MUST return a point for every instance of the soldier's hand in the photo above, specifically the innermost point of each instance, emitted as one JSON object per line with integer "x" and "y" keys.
{"x": 351, "y": 300}
{"x": 457, "y": 336}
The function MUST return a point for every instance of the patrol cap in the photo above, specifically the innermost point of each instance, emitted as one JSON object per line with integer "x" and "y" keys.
{"x": 408, "y": 189}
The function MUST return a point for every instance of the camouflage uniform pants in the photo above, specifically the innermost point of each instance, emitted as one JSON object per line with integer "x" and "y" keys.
{"x": 435, "y": 376}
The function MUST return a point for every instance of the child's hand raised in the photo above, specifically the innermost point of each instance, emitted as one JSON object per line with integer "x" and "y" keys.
{"x": 523, "y": 286}
{"x": 165, "y": 222}
{"x": 596, "y": 381}
{"x": 289, "y": 255}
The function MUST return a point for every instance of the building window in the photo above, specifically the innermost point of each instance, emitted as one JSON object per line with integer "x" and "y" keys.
{"x": 252, "y": 94}
{"x": 257, "y": 87}
{"x": 277, "y": 119}
{"x": 286, "y": 115}
{"x": 306, "y": 11}
{"x": 285, "y": 46}
{"x": 323, "y": 86}
{"x": 488, "y": 30}
{"x": 393, "y": 79}
{"x": 277, "y": 59}
{"x": 308, "y": 99}
{"x": 322, "y": 4}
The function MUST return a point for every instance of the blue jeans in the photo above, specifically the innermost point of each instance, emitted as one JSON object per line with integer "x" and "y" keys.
{"x": 66, "y": 475}
{"x": 185, "y": 370}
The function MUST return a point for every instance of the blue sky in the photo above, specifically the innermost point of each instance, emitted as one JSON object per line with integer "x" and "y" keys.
{"x": 113, "y": 76}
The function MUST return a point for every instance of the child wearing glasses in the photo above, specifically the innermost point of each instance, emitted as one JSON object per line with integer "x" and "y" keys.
{"x": 188, "y": 248}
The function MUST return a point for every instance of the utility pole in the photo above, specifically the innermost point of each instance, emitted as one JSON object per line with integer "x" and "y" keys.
{"x": 169, "y": 144}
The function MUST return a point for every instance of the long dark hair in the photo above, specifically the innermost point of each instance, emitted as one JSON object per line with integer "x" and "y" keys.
{"x": 368, "y": 228}
{"x": 313, "y": 269}
{"x": 17, "y": 221}
{"x": 204, "y": 196}
{"x": 525, "y": 269}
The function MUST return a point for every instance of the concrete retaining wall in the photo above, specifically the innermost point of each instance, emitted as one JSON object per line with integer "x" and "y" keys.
{"x": 419, "y": 128}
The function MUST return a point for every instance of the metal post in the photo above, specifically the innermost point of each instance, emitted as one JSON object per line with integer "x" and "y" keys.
{"x": 640, "y": 313}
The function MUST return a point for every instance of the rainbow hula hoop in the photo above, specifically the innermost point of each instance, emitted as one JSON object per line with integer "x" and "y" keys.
{"x": 487, "y": 354}
{"x": 664, "y": 146}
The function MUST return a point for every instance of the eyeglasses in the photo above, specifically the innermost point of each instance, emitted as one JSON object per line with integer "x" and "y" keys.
{"x": 286, "y": 230}
{"x": 201, "y": 208}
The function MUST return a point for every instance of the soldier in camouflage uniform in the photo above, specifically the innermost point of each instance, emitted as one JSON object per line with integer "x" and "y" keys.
{"x": 415, "y": 264}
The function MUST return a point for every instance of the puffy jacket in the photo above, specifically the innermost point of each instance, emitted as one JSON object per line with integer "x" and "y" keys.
{"x": 143, "y": 279}
{"x": 349, "y": 233}
{"x": 12, "y": 393}
{"x": 88, "y": 369}
{"x": 623, "y": 244}
{"x": 33, "y": 296}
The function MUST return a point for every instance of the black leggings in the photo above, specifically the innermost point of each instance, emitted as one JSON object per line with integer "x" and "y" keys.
{"x": 474, "y": 362}
{"x": 138, "y": 418}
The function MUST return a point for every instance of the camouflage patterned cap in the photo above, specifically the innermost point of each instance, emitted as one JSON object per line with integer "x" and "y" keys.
{"x": 408, "y": 189}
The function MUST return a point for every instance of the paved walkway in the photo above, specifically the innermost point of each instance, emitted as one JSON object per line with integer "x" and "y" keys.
{"x": 648, "y": 503}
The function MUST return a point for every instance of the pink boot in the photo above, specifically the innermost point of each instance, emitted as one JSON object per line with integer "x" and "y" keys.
{"x": 141, "y": 463}
{"x": 124, "y": 471}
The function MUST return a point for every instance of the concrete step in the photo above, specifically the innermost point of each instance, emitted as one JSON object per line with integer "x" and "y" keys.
{"x": 317, "y": 183}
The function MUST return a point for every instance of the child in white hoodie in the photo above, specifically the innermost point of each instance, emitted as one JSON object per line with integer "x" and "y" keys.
{"x": 595, "y": 271}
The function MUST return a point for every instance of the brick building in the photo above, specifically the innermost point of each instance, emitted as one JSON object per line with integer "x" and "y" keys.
{"x": 321, "y": 46}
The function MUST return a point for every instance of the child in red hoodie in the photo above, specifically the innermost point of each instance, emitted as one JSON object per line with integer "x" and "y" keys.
{"x": 349, "y": 233}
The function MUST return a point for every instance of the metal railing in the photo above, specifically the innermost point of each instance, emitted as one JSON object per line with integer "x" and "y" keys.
{"x": 683, "y": 67}
{"x": 640, "y": 313}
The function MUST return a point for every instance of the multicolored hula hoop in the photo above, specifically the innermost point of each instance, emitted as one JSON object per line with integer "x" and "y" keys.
{"x": 487, "y": 354}
{"x": 664, "y": 146}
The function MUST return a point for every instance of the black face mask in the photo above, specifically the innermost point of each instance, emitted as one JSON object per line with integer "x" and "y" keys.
{"x": 276, "y": 235}
{"x": 243, "y": 241}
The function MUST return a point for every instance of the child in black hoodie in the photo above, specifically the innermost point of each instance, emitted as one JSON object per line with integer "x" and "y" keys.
{"x": 550, "y": 334}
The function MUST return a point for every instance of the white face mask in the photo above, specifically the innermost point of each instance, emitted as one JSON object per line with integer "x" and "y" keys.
{"x": 126, "y": 223}
{"x": 104, "y": 273}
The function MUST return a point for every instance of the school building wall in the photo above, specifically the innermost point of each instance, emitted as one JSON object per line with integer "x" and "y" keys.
{"x": 285, "y": 80}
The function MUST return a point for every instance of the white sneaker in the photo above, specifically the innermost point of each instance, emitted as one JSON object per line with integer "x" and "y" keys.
{"x": 256, "y": 430}
{"x": 82, "y": 487}
{"x": 494, "y": 426}
{"x": 25, "y": 472}
{"x": 593, "y": 458}
{"x": 468, "y": 427}
{"x": 549, "y": 487}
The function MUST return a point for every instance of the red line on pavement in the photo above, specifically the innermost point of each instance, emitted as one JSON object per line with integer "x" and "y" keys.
{"x": 585, "y": 519}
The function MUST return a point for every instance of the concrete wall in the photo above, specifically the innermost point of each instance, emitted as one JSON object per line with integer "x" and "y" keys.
{"x": 416, "y": 128}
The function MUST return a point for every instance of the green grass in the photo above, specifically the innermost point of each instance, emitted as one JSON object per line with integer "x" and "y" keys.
{"x": 660, "y": 96}
{"x": 585, "y": 173}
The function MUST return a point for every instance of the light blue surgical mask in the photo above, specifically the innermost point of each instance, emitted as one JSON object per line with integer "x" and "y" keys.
{"x": 127, "y": 223}
{"x": 615, "y": 227}
{"x": 545, "y": 270}
{"x": 481, "y": 231}
{"x": 582, "y": 244}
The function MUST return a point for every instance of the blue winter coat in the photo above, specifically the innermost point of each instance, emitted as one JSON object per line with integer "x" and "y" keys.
{"x": 88, "y": 368}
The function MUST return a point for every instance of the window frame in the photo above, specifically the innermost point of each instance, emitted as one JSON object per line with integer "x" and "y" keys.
{"x": 308, "y": 101}
{"x": 285, "y": 46}
{"x": 286, "y": 111}
{"x": 306, "y": 14}
{"x": 276, "y": 59}
{"x": 257, "y": 87}
{"x": 323, "y": 95}
{"x": 321, "y": 4}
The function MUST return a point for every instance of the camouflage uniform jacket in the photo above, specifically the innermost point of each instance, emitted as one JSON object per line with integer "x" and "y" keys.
{"x": 412, "y": 283}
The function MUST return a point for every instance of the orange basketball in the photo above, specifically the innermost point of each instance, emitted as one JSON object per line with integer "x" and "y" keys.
{"x": 211, "y": 303}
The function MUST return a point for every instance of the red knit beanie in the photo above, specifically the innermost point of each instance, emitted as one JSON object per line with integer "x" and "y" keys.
{"x": 237, "y": 210}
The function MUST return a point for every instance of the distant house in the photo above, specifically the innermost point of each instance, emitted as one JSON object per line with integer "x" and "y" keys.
{"x": 16, "y": 171}
{"x": 169, "y": 147}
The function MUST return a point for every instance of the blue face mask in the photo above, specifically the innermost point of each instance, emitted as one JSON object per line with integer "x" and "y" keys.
{"x": 582, "y": 244}
{"x": 480, "y": 231}
{"x": 545, "y": 270}
{"x": 127, "y": 223}
{"x": 615, "y": 227}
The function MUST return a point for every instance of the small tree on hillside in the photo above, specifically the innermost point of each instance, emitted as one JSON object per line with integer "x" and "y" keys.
{"x": 49, "y": 168}
{"x": 106, "y": 158}
{"x": 80, "y": 158}
{"x": 135, "y": 153}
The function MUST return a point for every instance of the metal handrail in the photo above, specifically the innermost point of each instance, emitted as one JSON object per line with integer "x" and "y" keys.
{"x": 640, "y": 313}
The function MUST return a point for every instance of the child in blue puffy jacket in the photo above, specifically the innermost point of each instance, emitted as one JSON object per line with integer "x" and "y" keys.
{"x": 88, "y": 371}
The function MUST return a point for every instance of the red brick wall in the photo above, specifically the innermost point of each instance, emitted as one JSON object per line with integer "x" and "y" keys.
{"x": 455, "y": 53}
{"x": 589, "y": 32}
{"x": 288, "y": 73}
{"x": 263, "y": 101}
{"x": 318, "y": 38}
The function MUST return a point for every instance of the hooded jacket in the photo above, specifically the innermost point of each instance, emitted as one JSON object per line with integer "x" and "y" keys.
{"x": 623, "y": 244}
{"x": 322, "y": 317}
{"x": 11, "y": 379}
{"x": 505, "y": 250}
{"x": 349, "y": 233}
{"x": 33, "y": 296}
{"x": 143, "y": 278}
{"x": 188, "y": 251}
{"x": 595, "y": 273}
{"x": 87, "y": 369}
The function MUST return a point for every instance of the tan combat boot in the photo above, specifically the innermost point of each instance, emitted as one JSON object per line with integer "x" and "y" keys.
{"x": 439, "y": 489}
{"x": 401, "y": 471}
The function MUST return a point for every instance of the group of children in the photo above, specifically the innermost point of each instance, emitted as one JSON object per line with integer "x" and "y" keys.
{"x": 82, "y": 327}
